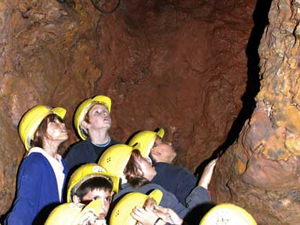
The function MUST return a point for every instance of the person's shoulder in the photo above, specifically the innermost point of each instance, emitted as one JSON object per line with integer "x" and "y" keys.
{"x": 113, "y": 142}
{"x": 35, "y": 158}
{"x": 79, "y": 144}
{"x": 34, "y": 163}
{"x": 165, "y": 166}
{"x": 162, "y": 165}
{"x": 149, "y": 187}
{"x": 185, "y": 170}
{"x": 173, "y": 171}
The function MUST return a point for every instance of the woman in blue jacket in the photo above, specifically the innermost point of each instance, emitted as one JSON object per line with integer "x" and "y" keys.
{"x": 42, "y": 174}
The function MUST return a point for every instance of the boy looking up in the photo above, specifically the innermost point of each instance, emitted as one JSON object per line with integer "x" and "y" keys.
{"x": 92, "y": 122}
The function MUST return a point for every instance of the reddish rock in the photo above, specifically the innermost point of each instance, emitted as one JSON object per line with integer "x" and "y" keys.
{"x": 261, "y": 170}
{"x": 180, "y": 65}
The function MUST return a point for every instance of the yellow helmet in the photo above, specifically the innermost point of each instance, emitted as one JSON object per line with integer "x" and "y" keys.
{"x": 144, "y": 141}
{"x": 74, "y": 213}
{"x": 86, "y": 172}
{"x": 115, "y": 159}
{"x": 84, "y": 107}
{"x": 122, "y": 210}
{"x": 228, "y": 214}
{"x": 33, "y": 118}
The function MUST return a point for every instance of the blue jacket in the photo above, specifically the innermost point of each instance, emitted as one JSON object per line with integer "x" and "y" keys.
{"x": 177, "y": 180}
{"x": 37, "y": 191}
{"x": 85, "y": 152}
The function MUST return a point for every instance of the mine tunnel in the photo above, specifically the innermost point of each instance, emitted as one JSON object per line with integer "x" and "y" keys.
{"x": 220, "y": 76}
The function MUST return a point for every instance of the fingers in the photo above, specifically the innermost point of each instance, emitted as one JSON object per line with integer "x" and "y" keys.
{"x": 210, "y": 166}
{"x": 143, "y": 216}
{"x": 207, "y": 174}
{"x": 213, "y": 162}
{"x": 162, "y": 209}
{"x": 137, "y": 213}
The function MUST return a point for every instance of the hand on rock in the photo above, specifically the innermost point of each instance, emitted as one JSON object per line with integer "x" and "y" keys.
{"x": 207, "y": 174}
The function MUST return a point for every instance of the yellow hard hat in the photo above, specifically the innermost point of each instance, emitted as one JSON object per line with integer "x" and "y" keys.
{"x": 33, "y": 118}
{"x": 74, "y": 213}
{"x": 227, "y": 214}
{"x": 86, "y": 172}
{"x": 144, "y": 140}
{"x": 115, "y": 159}
{"x": 84, "y": 107}
{"x": 122, "y": 210}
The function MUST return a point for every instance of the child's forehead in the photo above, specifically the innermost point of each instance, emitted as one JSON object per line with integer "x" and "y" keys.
{"x": 101, "y": 191}
{"x": 98, "y": 105}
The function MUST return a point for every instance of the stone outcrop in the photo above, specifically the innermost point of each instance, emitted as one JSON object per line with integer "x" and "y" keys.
{"x": 261, "y": 170}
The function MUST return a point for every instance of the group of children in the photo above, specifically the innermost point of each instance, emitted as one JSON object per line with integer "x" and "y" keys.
{"x": 109, "y": 182}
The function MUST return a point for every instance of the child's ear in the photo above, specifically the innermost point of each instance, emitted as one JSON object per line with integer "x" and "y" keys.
{"x": 84, "y": 125}
{"x": 75, "y": 199}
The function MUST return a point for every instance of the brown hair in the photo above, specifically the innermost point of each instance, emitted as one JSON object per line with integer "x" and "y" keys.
{"x": 94, "y": 183}
{"x": 40, "y": 133}
{"x": 133, "y": 171}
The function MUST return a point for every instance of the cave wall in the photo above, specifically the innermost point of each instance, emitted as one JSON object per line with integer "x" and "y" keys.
{"x": 186, "y": 72}
{"x": 47, "y": 53}
{"x": 261, "y": 170}
{"x": 180, "y": 65}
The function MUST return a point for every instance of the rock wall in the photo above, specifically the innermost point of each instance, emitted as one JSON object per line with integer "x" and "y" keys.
{"x": 47, "y": 52}
{"x": 186, "y": 71}
{"x": 261, "y": 170}
{"x": 180, "y": 65}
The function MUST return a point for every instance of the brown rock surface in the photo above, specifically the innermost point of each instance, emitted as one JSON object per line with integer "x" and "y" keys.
{"x": 179, "y": 64}
{"x": 43, "y": 44}
{"x": 261, "y": 170}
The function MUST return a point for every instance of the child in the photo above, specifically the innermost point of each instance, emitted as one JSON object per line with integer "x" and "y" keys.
{"x": 177, "y": 180}
{"x": 43, "y": 172}
{"x": 92, "y": 122}
{"x": 151, "y": 144}
{"x": 91, "y": 182}
{"x": 116, "y": 161}
{"x": 139, "y": 170}
{"x": 77, "y": 214}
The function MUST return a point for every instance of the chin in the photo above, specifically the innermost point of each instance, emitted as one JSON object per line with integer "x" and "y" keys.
{"x": 64, "y": 138}
{"x": 172, "y": 159}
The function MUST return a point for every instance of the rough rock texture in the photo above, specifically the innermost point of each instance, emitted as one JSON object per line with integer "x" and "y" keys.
{"x": 179, "y": 64}
{"x": 47, "y": 52}
{"x": 186, "y": 72}
{"x": 261, "y": 171}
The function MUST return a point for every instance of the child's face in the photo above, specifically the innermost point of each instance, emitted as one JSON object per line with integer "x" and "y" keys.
{"x": 162, "y": 151}
{"x": 147, "y": 169}
{"x": 56, "y": 131}
{"x": 99, "y": 117}
{"x": 97, "y": 194}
